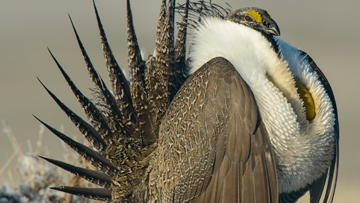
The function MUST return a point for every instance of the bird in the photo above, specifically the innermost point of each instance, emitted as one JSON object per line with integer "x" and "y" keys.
{"x": 244, "y": 116}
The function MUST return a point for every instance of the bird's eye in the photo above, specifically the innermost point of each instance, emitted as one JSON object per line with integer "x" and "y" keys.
{"x": 248, "y": 18}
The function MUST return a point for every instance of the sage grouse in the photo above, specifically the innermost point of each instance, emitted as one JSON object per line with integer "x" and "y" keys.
{"x": 246, "y": 117}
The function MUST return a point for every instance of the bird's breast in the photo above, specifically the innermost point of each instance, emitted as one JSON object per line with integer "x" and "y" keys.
{"x": 294, "y": 106}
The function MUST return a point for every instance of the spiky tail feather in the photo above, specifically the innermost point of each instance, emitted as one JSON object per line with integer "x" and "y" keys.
{"x": 125, "y": 131}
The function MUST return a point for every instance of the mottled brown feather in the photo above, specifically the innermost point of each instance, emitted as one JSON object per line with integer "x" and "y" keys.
{"x": 181, "y": 70}
{"x": 119, "y": 83}
{"x": 137, "y": 83}
{"x": 159, "y": 73}
{"x": 211, "y": 145}
{"x": 116, "y": 120}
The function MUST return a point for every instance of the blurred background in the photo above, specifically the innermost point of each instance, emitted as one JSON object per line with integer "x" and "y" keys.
{"x": 327, "y": 30}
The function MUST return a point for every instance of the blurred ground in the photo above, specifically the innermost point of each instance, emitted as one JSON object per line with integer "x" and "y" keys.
{"x": 329, "y": 34}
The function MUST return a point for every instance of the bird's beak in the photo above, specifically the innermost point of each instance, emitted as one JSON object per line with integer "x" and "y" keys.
{"x": 274, "y": 30}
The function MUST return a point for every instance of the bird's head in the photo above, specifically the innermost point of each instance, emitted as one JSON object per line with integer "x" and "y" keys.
{"x": 256, "y": 18}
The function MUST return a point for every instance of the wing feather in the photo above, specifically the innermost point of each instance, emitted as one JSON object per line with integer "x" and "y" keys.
{"x": 226, "y": 156}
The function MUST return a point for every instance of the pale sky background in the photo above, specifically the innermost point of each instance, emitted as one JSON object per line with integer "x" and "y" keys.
{"x": 327, "y": 30}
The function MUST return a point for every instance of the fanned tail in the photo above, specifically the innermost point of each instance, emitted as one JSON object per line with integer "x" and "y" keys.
{"x": 125, "y": 123}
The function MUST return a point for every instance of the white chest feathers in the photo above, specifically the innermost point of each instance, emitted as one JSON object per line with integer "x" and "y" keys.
{"x": 303, "y": 148}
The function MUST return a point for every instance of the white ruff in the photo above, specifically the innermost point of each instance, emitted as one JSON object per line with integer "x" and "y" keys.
{"x": 302, "y": 150}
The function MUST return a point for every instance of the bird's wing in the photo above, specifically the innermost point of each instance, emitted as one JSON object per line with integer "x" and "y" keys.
{"x": 317, "y": 188}
{"x": 213, "y": 146}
